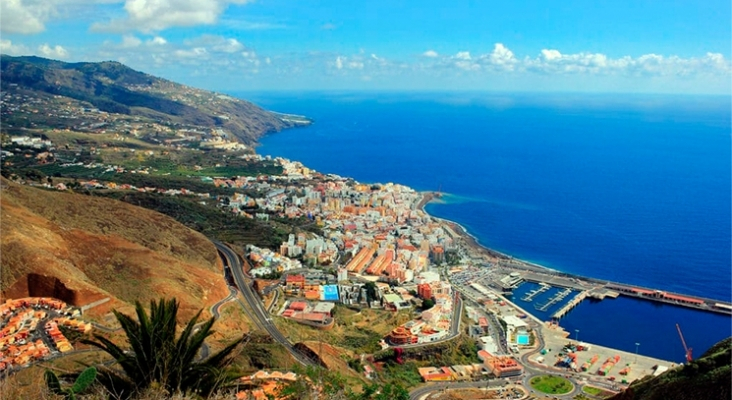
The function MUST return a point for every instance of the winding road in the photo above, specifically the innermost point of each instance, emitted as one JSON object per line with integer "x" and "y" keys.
{"x": 215, "y": 307}
{"x": 457, "y": 315}
{"x": 254, "y": 307}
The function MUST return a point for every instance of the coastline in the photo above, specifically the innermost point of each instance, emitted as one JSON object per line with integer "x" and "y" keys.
{"x": 473, "y": 243}
{"x": 475, "y": 248}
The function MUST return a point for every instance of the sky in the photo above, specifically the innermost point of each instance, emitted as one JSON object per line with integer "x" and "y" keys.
{"x": 616, "y": 46}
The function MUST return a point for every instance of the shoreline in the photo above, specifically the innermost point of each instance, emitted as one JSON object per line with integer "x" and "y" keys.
{"x": 489, "y": 255}
{"x": 473, "y": 242}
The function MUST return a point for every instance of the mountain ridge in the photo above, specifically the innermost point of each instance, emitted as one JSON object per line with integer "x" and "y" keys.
{"x": 116, "y": 88}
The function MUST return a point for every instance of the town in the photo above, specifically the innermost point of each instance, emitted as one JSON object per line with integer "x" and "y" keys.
{"x": 369, "y": 246}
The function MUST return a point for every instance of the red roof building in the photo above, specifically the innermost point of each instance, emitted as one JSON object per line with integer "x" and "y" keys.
{"x": 424, "y": 291}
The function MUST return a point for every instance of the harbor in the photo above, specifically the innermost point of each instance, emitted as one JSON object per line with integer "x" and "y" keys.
{"x": 554, "y": 300}
{"x": 509, "y": 279}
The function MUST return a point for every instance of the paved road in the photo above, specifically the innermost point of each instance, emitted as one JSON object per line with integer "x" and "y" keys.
{"x": 256, "y": 311}
{"x": 423, "y": 391}
{"x": 274, "y": 301}
{"x": 215, "y": 307}
{"x": 457, "y": 315}
{"x": 532, "y": 369}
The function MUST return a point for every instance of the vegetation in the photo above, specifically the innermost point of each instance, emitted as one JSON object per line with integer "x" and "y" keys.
{"x": 322, "y": 384}
{"x": 83, "y": 381}
{"x": 207, "y": 220}
{"x": 156, "y": 358}
{"x": 551, "y": 384}
{"x": 427, "y": 304}
{"x": 591, "y": 390}
{"x": 459, "y": 351}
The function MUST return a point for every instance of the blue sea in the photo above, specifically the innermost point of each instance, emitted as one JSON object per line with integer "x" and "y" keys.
{"x": 630, "y": 188}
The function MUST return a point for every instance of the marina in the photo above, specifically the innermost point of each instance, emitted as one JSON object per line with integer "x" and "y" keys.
{"x": 554, "y": 300}
{"x": 599, "y": 290}
{"x": 543, "y": 287}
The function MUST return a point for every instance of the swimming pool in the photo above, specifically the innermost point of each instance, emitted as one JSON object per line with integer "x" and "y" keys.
{"x": 522, "y": 339}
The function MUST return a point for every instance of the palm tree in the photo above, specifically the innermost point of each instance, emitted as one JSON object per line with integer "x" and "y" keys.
{"x": 157, "y": 359}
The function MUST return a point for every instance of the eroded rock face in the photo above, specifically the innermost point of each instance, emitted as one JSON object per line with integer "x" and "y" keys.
{"x": 37, "y": 285}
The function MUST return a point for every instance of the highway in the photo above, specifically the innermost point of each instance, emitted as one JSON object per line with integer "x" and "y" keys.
{"x": 256, "y": 312}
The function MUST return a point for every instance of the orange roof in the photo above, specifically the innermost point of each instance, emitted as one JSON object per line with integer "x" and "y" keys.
{"x": 683, "y": 298}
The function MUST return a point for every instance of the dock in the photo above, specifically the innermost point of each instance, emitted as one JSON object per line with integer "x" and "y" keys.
{"x": 543, "y": 287}
{"x": 600, "y": 289}
{"x": 569, "y": 306}
{"x": 554, "y": 300}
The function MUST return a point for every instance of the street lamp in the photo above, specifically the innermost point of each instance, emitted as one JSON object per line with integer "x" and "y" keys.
{"x": 636, "y": 351}
{"x": 576, "y": 335}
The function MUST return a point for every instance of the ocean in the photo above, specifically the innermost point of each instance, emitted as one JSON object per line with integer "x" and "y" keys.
{"x": 630, "y": 188}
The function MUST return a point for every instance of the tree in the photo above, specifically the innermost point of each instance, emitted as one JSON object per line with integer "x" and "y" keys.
{"x": 370, "y": 292}
{"x": 157, "y": 358}
{"x": 427, "y": 304}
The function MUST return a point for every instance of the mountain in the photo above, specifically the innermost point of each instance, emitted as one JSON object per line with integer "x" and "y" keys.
{"x": 81, "y": 249}
{"x": 115, "y": 88}
{"x": 706, "y": 378}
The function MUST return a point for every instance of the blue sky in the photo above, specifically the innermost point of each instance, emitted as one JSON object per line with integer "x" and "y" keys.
{"x": 572, "y": 45}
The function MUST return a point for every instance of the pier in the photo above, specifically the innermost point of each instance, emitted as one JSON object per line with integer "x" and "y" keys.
{"x": 543, "y": 287}
{"x": 598, "y": 289}
{"x": 569, "y": 306}
{"x": 554, "y": 300}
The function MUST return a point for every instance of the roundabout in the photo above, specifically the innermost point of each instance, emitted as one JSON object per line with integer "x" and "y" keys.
{"x": 551, "y": 384}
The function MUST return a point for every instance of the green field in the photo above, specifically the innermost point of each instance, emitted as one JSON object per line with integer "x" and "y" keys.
{"x": 591, "y": 390}
{"x": 551, "y": 384}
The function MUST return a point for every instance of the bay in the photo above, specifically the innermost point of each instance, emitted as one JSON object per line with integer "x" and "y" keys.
{"x": 633, "y": 189}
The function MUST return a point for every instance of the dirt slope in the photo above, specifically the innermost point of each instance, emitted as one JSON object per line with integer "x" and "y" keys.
{"x": 80, "y": 249}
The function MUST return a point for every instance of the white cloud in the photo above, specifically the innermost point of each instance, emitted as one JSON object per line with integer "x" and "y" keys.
{"x": 30, "y": 16}
{"x": 130, "y": 41}
{"x": 157, "y": 41}
{"x": 355, "y": 65}
{"x": 216, "y": 44}
{"x": 551, "y": 55}
{"x": 7, "y": 47}
{"x": 196, "y": 52}
{"x": 500, "y": 58}
{"x": 228, "y": 46}
{"x": 157, "y": 15}
{"x": 462, "y": 55}
{"x": 25, "y": 16}
{"x": 430, "y": 53}
{"x": 53, "y": 52}
{"x": 552, "y": 61}
{"x": 339, "y": 62}
{"x": 502, "y": 55}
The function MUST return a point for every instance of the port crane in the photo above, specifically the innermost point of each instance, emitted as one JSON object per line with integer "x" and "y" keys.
{"x": 687, "y": 349}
